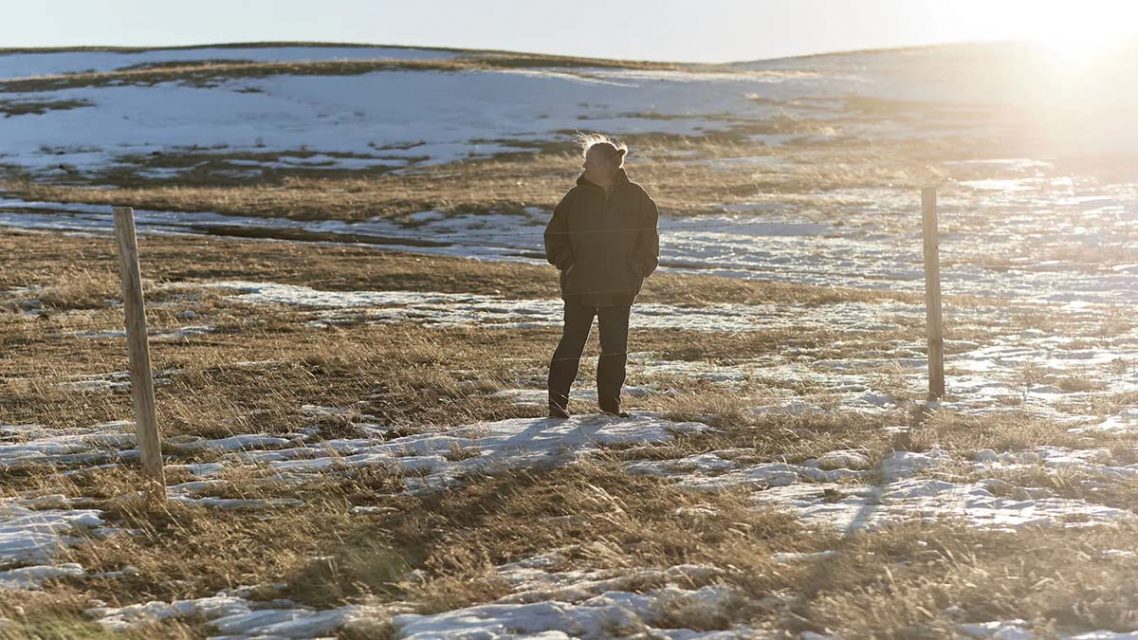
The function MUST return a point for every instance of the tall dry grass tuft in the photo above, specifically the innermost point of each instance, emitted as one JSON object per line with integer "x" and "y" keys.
{"x": 58, "y": 614}
{"x": 921, "y": 581}
{"x": 967, "y": 433}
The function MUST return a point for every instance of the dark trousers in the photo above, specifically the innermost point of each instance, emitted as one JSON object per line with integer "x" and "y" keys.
{"x": 613, "y": 325}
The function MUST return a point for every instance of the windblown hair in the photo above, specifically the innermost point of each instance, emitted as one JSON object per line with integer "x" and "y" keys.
{"x": 611, "y": 148}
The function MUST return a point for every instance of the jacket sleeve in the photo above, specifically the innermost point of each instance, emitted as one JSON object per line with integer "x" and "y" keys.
{"x": 647, "y": 253}
{"x": 558, "y": 250}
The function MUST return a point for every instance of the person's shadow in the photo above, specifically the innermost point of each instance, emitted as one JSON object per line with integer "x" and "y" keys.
{"x": 556, "y": 437}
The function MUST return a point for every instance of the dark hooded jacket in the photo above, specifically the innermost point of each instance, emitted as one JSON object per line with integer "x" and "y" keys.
{"x": 604, "y": 243}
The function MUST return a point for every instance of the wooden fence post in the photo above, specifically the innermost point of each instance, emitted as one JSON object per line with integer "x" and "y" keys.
{"x": 141, "y": 378}
{"x": 932, "y": 295}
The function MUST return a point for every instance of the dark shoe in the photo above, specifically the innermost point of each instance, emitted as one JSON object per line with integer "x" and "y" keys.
{"x": 616, "y": 414}
{"x": 558, "y": 412}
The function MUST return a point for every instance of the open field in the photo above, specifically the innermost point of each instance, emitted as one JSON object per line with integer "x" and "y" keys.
{"x": 274, "y": 424}
{"x": 351, "y": 328}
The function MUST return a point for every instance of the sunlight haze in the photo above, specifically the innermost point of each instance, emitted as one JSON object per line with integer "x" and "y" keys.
{"x": 710, "y": 31}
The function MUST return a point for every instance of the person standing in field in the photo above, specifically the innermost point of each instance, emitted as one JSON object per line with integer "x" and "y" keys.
{"x": 604, "y": 240}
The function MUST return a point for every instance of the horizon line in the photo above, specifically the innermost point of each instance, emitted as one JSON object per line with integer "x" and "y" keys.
{"x": 266, "y": 44}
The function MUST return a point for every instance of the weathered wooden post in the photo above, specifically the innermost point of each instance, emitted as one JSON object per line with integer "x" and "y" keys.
{"x": 932, "y": 295}
{"x": 138, "y": 345}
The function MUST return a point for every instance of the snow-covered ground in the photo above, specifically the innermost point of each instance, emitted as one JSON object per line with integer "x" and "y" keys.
{"x": 392, "y": 118}
{"x": 465, "y": 309}
{"x": 385, "y": 118}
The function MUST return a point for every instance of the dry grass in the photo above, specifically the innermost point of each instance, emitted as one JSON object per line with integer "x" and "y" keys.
{"x": 474, "y": 186}
{"x": 502, "y": 185}
{"x": 686, "y": 175}
{"x": 754, "y": 437}
{"x": 58, "y": 615}
{"x": 1106, "y": 404}
{"x": 894, "y": 583}
{"x": 80, "y": 289}
{"x": 221, "y": 166}
{"x": 257, "y": 369}
{"x": 206, "y": 73}
{"x": 401, "y": 374}
{"x": 595, "y": 515}
{"x": 325, "y": 554}
{"x": 395, "y": 374}
{"x": 919, "y": 581}
{"x": 82, "y": 273}
{"x": 437, "y": 552}
{"x": 1079, "y": 383}
{"x": 967, "y": 434}
{"x": 11, "y": 108}
{"x": 908, "y": 581}
{"x": 1093, "y": 487}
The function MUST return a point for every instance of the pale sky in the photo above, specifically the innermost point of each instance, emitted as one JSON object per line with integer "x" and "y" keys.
{"x": 680, "y": 30}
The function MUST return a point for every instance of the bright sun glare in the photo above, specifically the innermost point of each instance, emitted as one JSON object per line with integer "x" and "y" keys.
{"x": 1079, "y": 33}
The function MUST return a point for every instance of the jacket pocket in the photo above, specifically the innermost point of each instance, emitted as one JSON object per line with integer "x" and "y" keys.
{"x": 565, "y": 275}
{"x": 635, "y": 279}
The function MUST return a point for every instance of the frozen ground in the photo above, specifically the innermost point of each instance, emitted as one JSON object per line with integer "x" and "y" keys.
{"x": 358, "y": 115}
{"x": 1051, "y": 240}
{"x": 1002, "y": 366}
{"x": 465, "y": 309}
{"x": 508, "y": 108}
{"x": 1050, "y": 253}
{"x": 844, "y": 489}
{"x": 600, "y": 608}
{"x": 996, "y": 364}
{"x": 847, "y": 490}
